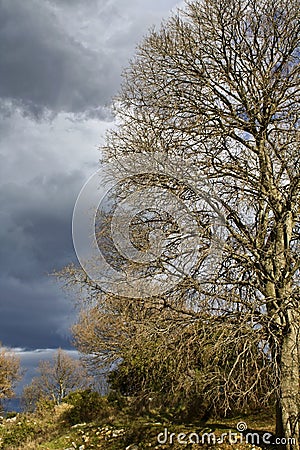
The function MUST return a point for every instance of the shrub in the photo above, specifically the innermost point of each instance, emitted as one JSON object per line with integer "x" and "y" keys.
{"x": 87, "y": 405}
{"x": 18, "y": 434}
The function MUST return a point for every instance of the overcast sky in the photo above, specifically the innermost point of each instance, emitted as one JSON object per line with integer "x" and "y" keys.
{"x": 60, "y": 64}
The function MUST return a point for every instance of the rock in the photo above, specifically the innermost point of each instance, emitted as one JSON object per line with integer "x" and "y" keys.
{"x": 79, "y": 425}
{"x": 117, "y": 433}
{"x": 12, "y": 419}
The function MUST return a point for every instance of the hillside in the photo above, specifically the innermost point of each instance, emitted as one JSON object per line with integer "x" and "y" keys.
{"x": 107, "y": 426}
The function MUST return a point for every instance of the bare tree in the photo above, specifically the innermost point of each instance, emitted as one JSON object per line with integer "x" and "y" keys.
{"x": 9, "y": 373}
{"x": 57, "y": 379}
{"x": 218, "y": 87}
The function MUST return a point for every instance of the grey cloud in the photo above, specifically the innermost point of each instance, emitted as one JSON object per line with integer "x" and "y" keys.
{"x": 35, "y": 239}
{"x": 34, "y": 314}
{"x": 43, "y": 167}
{"x": 43, "y": 68}
{"x": 35, "y": 235}
{"x": 59, "y": 55}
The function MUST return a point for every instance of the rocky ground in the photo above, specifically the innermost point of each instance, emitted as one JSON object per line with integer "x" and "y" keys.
{"x": 50, "y": 431}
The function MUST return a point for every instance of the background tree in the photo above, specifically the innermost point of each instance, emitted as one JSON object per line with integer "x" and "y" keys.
{"x": 56, "y": 379}
{"x": 218, "y": 86}
{"x": 9, "y": 373}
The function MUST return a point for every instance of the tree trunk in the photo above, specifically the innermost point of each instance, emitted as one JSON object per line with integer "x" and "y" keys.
{"x": 288, "y": 412}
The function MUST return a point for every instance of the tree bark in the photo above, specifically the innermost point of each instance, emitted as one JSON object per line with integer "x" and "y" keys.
{"x": 288, "y": 411}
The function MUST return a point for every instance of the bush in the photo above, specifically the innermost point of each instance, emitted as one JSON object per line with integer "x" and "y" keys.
{"x": 44, "y": 406}
{"x": 18, "y": 434}
{"x": 87, "y": 405}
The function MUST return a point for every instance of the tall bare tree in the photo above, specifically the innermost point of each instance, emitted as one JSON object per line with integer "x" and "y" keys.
{"x": 218, "y": 86}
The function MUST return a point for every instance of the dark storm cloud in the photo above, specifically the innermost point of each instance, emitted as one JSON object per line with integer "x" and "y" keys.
{"x": 42, "y": 169}
{"x": 44, "y": 68}
{"x": 35, "y": 239}
{"x": 35, "y": 224}
{"x": 35, "y": 314}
